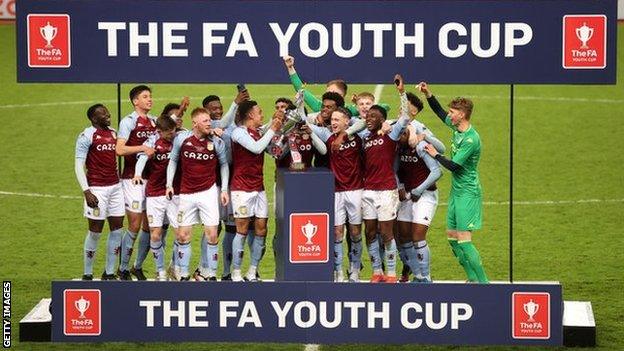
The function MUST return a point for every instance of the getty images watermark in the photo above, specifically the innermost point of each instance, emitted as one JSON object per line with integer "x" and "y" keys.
{"x": 6, "y": 314}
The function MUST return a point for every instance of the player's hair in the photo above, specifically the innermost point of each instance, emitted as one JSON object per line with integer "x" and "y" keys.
{"x": 381, "y": 110}
{"x": 91, "y": 110}
{"x": 463, "y": 104}
{"x": 330, "y": 95}
{"x": 134, "y": 92}
{"x": 415, "y": 100}
{"x": 244, "y": 108}
{"x": 165, "y": 123}
{"x": 168, "y": 108}
{"x": 198, "y": 111}
{"x": 210, "y": 98}
{"x": 365, "y": 95}
{"x": 344, "y": 112}
{"x": 342, "y": 85}
{"x": 287, "y": 101}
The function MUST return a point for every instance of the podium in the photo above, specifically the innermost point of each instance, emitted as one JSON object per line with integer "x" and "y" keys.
{"x": 304, "y": 240}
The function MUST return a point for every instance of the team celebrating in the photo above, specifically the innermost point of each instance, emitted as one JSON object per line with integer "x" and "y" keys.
{"x": 212, "y": 175}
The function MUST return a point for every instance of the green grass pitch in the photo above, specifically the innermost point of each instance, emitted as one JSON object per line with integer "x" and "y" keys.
{"x": 568, "y": 182}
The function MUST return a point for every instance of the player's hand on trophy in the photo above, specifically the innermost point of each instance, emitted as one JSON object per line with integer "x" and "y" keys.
{"x": 424, "y": 88}
{"x": 137, "y": 180}
{"x": 225, "y": 198}
{"x": 398, "y": 81}
{"x": 169, "y": 193}
{"x": 241, "y": 96}
{"x": 148, "y": 151}
{"x": 217, "y": 131}
{"x": 184, "y": 104}
{"x": 386, "y": 128}
{"x": 278, "y": 120}
{"x": 92, "y": 200}
{"x": 340, "y": 138}
{"x": 305, "y": 129}
{"x": 431, "y": 150}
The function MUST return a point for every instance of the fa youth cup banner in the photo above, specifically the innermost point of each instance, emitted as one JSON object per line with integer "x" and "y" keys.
{"x": 447, "y": 41}
{"x": 308, "y": 312}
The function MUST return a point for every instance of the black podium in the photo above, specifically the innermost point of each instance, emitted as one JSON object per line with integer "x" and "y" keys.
{"x": 304, "y": 241}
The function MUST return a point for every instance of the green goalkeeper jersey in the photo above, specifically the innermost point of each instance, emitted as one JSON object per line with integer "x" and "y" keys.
{"x": 465, "y": 151}
{"x": 316, "y": 104}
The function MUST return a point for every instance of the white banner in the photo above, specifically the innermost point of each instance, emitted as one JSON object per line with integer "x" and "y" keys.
{"x": 7, "y": 9}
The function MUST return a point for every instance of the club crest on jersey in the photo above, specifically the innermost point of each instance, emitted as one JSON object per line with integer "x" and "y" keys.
{"x": 305, "y": 137}
{"x": 150, "y": 219}
{"x": 135, "y": 205}
{"x": 96, "y": 212}
{"x": 242, "y": 210}
{"x": 210, "y": 146}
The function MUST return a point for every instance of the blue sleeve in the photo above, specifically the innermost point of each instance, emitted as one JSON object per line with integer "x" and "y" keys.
{"x": 125, "y": 128}
{"x": 398, "y": 128}
{"x": 322, "y": 132}
{"x": 227, "y": 119}
{"x": 241, "y": 136}
{"x": 434, "y": 169}
{"x": 83, "y": 143}
{"x": 174, "y": 155}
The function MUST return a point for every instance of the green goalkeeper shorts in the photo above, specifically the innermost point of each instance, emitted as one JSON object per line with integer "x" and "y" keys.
{"x": 464, "y": 213}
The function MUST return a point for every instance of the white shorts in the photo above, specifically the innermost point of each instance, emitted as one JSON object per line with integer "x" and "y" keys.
{"x": 201, "y": 207}
{"x": 381, "y": 205}
{"x": 420, "y": 212}
{"x": 161, "y": 210}
{"x": 226, "y": 213}
{"x": 110, "y": 202}
{"x": 250, "y": 204}
{"x": 134, "y": 195}
{"x": 348, "y": 205}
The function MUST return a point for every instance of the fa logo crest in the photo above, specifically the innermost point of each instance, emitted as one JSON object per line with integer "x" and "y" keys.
{"x": 48, "y": 40}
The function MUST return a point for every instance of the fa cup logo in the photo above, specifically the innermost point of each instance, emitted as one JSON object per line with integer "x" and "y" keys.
{"x": 48, "y": 32}
{"x": 309, "y": 230}
{"x": 531, "y": 309}
{"x": 584, "y": 33}
{"x": 82, "y": 306}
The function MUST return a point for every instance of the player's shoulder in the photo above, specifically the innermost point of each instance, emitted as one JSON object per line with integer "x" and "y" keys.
{"x": 472, "y": 136}
{"x": 183, "y": 135}
{"x": 239, "y": 131}
{"x": 87, "y": 133}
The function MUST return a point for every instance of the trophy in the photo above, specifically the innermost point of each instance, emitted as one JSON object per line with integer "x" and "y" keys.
{"x": 309, "y": 230}
{"x": 82, "y": 306}
{"x": 584, "y": 33}
{"x": 531, "y": 309}
{"x": 281, "y": 140}
{"x": 48, "y": 32}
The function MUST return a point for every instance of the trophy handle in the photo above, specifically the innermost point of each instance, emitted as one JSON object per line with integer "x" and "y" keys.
{"x": 87, "y": 305}
{"x": 591, "y": 33}
{"x": 314, "y": 230}
{"x": 55, "y": 32}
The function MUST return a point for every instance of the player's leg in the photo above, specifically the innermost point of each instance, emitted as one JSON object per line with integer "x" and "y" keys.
{"x": 90, "y": 246}
{"x": 451, "y": 233}
{"x": 469, "y": 219}
{"x": 353, "y": 205}
{"x": 188, "y": 212}
{"x": 230, "y": 233}
{"x": 208, "y": 205}
{"x": 340, "y": 215}
{"x": 260, "y": 209}
{"x": 240, "y": 205}
{"x": 423, "y": 212}
{"x": 134, "y": 213}
{"x": 143, "y": 249}
{"x": 404, "y": 240}
{"x": 388, "y": 203}
{"x": 369, "y": 215}
{"x": 113, "y": 246}
{"x": 116, "y": 212}
{"x": 156, "y": 208}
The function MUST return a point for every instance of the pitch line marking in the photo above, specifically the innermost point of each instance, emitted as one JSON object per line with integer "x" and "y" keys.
{"x": 486, "y": 203}
{"x": 311, "y": 347}
{"x": 492, "y": 97}
{"x": 377, "y": 93}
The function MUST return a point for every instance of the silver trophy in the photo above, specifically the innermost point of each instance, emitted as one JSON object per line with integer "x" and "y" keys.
{"x": 48, "y": 32}
{"x": 82, "y": 306}
{"x": 584, "y": 33}
{"x": 531, "y": 309}
{"x": 309, "y": 230}
{"x": 279, "y": 144}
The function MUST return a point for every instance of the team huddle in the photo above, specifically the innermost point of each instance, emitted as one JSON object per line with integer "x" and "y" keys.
{"x": 212, "y": 175}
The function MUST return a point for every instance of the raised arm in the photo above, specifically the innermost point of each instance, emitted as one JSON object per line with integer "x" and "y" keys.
{"x": 432, "y": 101}
{"x": 312, "y": 101}
{"x": 241, "y": 136}
{"x": 322, "y": 132}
